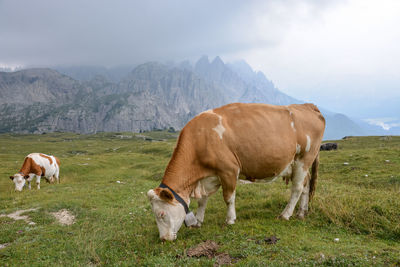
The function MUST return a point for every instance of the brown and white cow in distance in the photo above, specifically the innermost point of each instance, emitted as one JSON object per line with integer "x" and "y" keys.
{"x": 259, "y": 141}
{"x": 37, "y": 164}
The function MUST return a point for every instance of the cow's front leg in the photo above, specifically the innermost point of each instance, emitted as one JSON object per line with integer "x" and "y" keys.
{"x": 231, "y": 214}
{"x": 304, "y": 199}
{"x": 299, "y": 174}
{"x": 31, "y": 176}
{"x": 38, "y": 181}
{"x": 201, "y": 209}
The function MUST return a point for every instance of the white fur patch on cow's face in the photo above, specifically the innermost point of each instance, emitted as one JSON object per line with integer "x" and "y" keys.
{"x": 308, "y": 146}
{"x": 19, "y": 182}
{"x": 169, "y": 217}
{"x": 219, "y": 129}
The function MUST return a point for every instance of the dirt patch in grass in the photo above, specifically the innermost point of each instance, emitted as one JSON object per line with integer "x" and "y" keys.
{"x": 64, "y": 217}
{"x": 271, "y": 240}
{"x": 209, "y": 249}
{"x": 4, "y": 245}
{"x": 17, "y": 216}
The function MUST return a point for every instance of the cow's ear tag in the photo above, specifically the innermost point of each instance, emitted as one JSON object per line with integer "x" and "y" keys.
{"x": 190, "y": 219}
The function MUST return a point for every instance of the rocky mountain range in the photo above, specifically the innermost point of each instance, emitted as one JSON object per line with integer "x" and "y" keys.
{"x": 151, "y": 96}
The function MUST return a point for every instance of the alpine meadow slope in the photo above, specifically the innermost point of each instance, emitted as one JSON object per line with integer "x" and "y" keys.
{"x": 354, "y": 218}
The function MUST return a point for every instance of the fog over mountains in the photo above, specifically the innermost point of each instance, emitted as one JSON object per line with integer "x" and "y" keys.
{"x": 138, "y": 98}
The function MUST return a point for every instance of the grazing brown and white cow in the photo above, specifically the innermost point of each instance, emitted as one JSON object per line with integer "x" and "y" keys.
{"x": 258, "y": 141}
{"x": 37, "y": 164}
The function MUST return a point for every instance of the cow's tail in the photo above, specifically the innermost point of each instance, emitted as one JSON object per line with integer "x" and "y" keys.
{"x": 314, "y": 176}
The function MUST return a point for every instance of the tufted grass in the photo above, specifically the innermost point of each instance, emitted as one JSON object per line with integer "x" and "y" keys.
{"x": 115, "y": 226}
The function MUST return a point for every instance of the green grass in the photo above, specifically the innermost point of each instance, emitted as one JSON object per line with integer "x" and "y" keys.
{"x": 115, "y": 225}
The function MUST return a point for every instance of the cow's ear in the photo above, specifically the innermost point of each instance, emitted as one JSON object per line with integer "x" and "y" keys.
{"x": 26, "y": 176}
{"x": 166, "y": 195}
{"x": 151, "y": 194}
{"x": 12, "y": 177}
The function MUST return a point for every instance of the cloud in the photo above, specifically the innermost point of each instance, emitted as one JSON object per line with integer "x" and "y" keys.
{"x": 385, "y": 123}
{"x": 120, "y": 32}
{"x": 342, "y": 54}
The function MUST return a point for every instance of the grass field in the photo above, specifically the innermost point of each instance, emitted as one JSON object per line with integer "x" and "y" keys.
{"x": 357, "y": 203}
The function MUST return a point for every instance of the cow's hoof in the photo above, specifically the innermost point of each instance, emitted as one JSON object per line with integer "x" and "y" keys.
{"x": 283, "y": 217}
{"x": 301, "y": 214}
{"x": 230, "y": 222}
{"x": 197, "y": 225}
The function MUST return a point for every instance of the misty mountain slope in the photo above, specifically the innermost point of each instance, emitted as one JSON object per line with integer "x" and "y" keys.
{"x": 339, "y": 125}
{"x": 218, "y": 75}
{"x": 87, "y": 73}
{"x": 151, "y": 96}
{"x": 38, "y": 85}
{"x": 259, "y": 88}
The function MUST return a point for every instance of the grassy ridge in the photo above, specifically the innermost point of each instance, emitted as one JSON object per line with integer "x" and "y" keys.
{"x": 115, "y": 225}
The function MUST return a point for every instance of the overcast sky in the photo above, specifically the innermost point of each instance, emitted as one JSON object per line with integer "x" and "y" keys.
{"x": 341, "y": 54}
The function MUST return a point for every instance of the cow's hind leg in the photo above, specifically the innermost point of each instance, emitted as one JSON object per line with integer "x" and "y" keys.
{"x": 38, "y": 181}
{"x": 57, "y": 175}
{"x": 201, "y": 209}
{"x": 304, "y": 198}
{"x": 229, "y": 192}
{"x": 299, "y": 174}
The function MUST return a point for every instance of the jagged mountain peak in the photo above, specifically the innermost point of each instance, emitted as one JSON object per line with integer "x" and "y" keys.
{"x": 217, "y": 62}
{"x": 203, "y": 59}
{"x": 35, "y": 72}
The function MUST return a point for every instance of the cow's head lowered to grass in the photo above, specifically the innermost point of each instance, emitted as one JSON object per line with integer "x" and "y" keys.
{"x": 19, "y": 181}
{"x": 169, "y": 213}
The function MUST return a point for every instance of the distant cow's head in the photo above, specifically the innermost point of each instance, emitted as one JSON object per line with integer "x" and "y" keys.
{"x": 169, "y": 213}
{"x": 19, "y": 181}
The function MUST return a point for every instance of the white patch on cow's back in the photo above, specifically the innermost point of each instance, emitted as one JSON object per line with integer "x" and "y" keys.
{"x": 298, "y": 149}
{"x": 219, "y": 129}
{"x": 308, "y": 146}
{"x": 288, "y": 109}
{"x": 210, "y": 111}
{"x": 50, "y": 169}
{"x": 292, "y": 125}
{"x": 206, "y": 187}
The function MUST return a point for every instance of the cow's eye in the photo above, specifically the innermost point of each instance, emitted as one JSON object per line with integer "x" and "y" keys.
{"x": 161, "y": 214}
